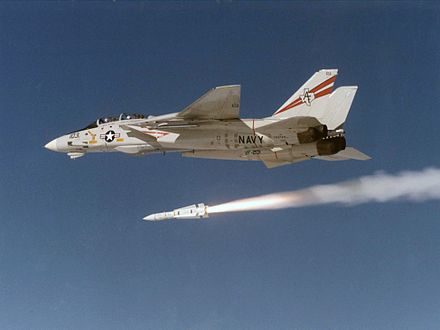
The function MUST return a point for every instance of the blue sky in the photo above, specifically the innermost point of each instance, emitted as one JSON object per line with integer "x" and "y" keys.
{"x": 73, "y": 251}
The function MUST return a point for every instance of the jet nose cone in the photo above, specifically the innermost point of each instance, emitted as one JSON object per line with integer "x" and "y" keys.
{"x": 52, "y": 145}
{"x": 150, "y": 217}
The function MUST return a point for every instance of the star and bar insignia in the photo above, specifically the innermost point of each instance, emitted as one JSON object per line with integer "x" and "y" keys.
{"x": 110, "y": 136}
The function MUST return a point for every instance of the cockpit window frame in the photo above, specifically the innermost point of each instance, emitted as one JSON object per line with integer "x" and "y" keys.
{"x": 130, "y": 116}
{"x": 111, "y": 119}
{"x": 106, "y": 120}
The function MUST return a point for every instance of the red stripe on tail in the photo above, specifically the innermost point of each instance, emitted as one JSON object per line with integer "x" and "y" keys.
{"x": 298, "y": 101}
{"x": 323, "y": 84}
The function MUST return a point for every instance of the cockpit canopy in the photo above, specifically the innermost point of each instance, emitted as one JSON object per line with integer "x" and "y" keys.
{"x": 122, "y": 116}
{"x": 128, "y": 116}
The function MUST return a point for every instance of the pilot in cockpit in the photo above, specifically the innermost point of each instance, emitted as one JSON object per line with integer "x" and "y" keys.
{"x": 125, "y": 116}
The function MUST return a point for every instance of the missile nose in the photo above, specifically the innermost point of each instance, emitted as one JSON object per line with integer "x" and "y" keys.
{"x": 149, "y": 217}
{"x": 52, "y": 145}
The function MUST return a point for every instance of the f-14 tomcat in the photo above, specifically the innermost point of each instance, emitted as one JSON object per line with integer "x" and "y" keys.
{"x": 308, "y": 125}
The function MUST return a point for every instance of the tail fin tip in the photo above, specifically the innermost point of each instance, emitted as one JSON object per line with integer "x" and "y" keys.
{"x": 338, "y": 106}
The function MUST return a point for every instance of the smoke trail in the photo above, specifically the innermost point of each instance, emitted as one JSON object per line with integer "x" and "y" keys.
{"x": 380, "y": 187}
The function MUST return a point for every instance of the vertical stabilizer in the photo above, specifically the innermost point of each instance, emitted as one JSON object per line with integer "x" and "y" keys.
{"x": 311, "y": 98}
{"x": 338, "y": 106}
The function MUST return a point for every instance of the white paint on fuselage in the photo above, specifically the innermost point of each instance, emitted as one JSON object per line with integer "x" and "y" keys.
{"x": 212, "y": 135}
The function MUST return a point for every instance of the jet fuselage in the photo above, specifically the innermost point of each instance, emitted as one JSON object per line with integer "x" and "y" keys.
{"x": 309, "y": 124}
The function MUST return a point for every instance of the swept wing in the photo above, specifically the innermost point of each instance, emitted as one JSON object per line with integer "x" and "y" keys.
{"x": 220, "y": 103}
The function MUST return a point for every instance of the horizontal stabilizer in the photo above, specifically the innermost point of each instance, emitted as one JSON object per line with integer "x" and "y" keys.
{"x": 277, "y": 159}
{"x": 276, "y": 163}
{"x": 347, "y": 153}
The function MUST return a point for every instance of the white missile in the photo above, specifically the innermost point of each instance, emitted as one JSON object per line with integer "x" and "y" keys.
{"x": 195, "y": 211}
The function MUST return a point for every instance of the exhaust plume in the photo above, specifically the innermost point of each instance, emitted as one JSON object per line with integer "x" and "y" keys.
{"x": 380, "y": 187}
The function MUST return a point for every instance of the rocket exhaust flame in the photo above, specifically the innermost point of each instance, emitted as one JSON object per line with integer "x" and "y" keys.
{"x": 381, "y": 187}
{"x": 264, "y": 202}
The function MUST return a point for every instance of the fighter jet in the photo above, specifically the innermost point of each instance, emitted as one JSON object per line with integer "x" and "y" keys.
{"x": 309, "y": 125}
